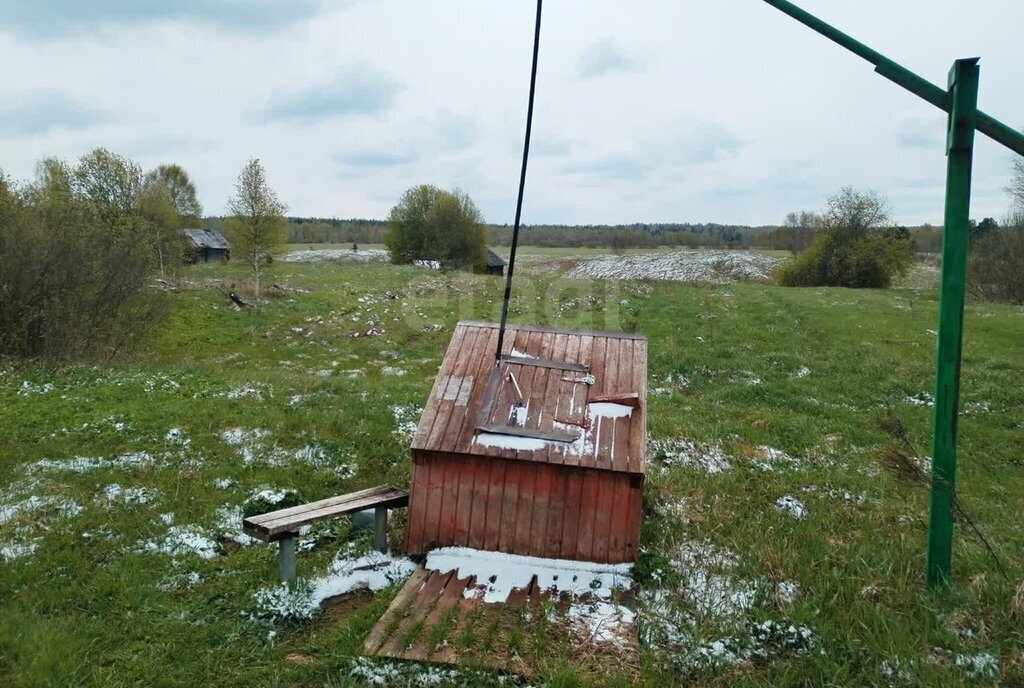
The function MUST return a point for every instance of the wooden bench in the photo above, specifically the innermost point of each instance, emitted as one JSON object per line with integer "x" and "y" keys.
{"x": 283, "y": 525}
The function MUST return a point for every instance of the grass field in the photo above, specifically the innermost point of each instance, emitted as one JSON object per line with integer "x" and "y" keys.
{"x": 777, "y": 550}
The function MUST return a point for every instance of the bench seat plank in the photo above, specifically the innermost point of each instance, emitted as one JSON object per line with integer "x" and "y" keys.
{"x": 276, "y": 524}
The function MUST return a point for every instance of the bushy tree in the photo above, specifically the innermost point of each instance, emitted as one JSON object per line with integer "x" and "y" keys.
{"x": 181, "y": 191}
{"x": 75, "y": 256}
{"x": 996, "y": 267}
{"x": 157, "y": 208}
{"x": 855, "y": 246}
{"x": 257, "y": 224}
{"x": 429, "y": 223}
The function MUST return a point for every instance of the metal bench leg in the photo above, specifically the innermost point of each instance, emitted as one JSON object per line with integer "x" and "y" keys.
{"x": 286, "y": 558}
{"x": 380, "y": 529}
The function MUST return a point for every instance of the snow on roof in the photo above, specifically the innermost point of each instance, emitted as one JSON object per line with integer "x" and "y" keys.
{"x": 207, "y": 238}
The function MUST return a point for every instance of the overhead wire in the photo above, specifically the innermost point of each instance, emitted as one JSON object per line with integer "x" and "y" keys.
{"x": 522, "y": 188}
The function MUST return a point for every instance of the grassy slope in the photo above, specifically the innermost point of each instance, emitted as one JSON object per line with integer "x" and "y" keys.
{"x": 87, "y": 610}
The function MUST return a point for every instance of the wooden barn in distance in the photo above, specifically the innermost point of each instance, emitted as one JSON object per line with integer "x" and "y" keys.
{"x": 206, "y": 246}
{"x": 541, "y": 455}
{"x": 495, "y": 264}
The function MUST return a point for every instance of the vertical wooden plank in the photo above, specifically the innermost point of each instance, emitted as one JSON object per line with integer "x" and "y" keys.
{"x": 446, "y": 428}
{"x": 478, "y": 510}
{"x": 422, "y": 603}
{"x": 464, "y": 500}
{"x": 638, "y": 423}
{"x": 549, "y": 396}
{"x": 620, "y": 515}
{"x": 558, "y": 506}
{"x": 433, "y": 405}
{"x": 509, "y": 507}
{"x": 480, "y": 365}
{"x": 542, "y": 485}
{"x": 573, "y": 509}
{"x": 589, "y": 505}
{"x": 634, "y": 520}
{"x": 405, "y": 596}
{"x": 621, "y": 430}
{"x": 525, "y": 511}
{"x": 577, "y": 404}
{"x": 449, "y": 501}
{"x": 453, "y": 365}
{"x": 603, "y": 516}
{"x": 604, "y": 433}
{"x": 417, "y": 504}
{"x": 495, "y": 503}
{"x": 437, "y": 463}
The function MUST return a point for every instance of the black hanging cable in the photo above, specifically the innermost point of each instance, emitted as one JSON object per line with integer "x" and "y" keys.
{"x": 522, "y": 187}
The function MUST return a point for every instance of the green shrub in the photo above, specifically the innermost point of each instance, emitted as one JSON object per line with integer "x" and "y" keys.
{"x": 853, "y": 248}
{"x": 996, "y": 270}
{"x": 75, "y": 258}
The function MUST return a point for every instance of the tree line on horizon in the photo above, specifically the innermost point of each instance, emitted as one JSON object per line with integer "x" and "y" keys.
{"x": 791, "y": 235}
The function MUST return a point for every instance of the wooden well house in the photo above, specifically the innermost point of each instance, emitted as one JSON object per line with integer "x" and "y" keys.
{"x": 541, "y": 453}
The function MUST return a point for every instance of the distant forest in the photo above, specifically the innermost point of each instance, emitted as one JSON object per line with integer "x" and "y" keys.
{"x": 311, "y": 230}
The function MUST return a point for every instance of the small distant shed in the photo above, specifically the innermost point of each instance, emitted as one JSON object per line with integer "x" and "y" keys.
{"x": 207, "y": 246}
{"x": 495, "y": 263}
{"x": 541, "y": 453}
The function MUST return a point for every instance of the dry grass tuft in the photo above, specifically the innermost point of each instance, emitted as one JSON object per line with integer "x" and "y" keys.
{"x": 903, "y": 467}
{"x": 1017, "y": 608}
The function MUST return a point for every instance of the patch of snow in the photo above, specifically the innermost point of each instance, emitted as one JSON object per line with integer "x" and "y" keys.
{"x": 787, "y": 591}
{"x": 251, "y": 444}
{"x": 406, "y": 421}
{"x": 768, "y": 459}
{"x": 802, "y": 372}
{"x": 177, "y": 436}
{"x": 314, "y": 455}
{"x": 492, "y": 439}
{"x": 499, "y": 573}
{"x": 224, "y": 483}
{"x": 29, "y": 388}
{"x": 65, "y": 508}
{"x": 181, "y": 581}
{"x": 323, "y": 255}
{"x": 922, "y": 399}
{"x": 18, "y": 550}
{"x": 183, "y": 540}
{"x": 691, "y": 454}
{"x": 602, "y": 622}
{"x": 229, "y": 525}
{"x": 85, "y": 464}
{"x": 115, "y": 494}
{"x": 392, "y": 371}
{"x": 701, "y": 267}
{"x": 269, "y": 495}
{"x": 791, "y": 506}
{"x": 246, "y": 391}
{"x": 301, "y": 602}
{"x": 981, "y": 665}
{"x": 609, "y": 410}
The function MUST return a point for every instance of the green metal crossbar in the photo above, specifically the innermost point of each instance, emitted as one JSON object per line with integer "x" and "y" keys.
{"x": 960, "y": 101}
{"x": 919, "y": 86}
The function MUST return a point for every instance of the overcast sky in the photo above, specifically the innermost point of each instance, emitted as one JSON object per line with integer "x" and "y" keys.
{"x": 659, "y": 110}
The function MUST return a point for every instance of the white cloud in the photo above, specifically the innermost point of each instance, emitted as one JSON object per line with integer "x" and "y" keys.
{"x": 727, "y": 112}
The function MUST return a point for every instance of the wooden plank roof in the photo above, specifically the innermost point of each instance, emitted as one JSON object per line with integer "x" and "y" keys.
{"x": 206, "y": 238}
{"x": 558, "y": 396}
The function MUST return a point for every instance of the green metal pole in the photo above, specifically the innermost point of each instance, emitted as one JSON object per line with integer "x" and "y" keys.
{"x": 963, "y": 92}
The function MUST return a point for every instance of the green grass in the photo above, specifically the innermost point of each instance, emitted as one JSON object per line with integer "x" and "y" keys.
{"x": 87, "y": 607}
